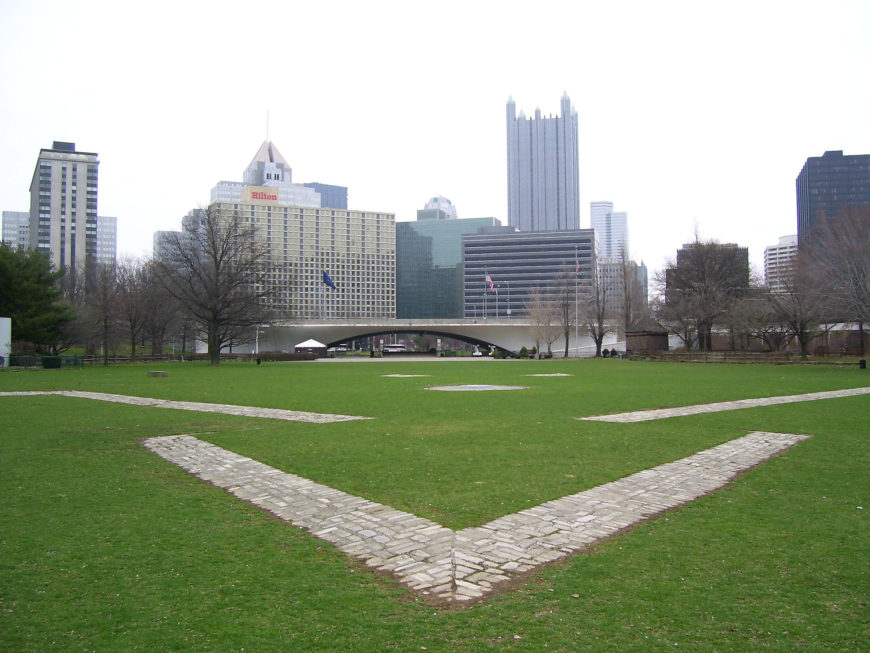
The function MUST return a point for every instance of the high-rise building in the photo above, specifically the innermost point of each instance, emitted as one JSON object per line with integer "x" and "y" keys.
{"x": 438, "y": 208}
{"x": 356, "y": 249}
{"x": 501, "y": 269}
{"x": 107, "y": 240}
{"x": 543, "y": 178}
{"x": 63, "y": 205}
{"x": 331, "y": 197}
{"x": 826, "y": 185}
{"x": 429, "y": 264}
{"x": 267, "y": 169}
{"x": 161, "y": 248}
{"x": 16, "y": 229}
{"x": 779, "y": 263}
{"x": 618, "y": 276}
{"x": 611, "y": 229}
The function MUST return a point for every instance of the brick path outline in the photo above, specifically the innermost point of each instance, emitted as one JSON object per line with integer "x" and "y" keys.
{"x": 459, "y": 566}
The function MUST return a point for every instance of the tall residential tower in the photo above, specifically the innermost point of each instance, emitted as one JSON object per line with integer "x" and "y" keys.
{"x": 543, "y": 179}
{"x": 63, "y": 205}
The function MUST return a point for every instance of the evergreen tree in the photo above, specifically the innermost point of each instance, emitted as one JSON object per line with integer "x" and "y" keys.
{"x": 30, "y": 294}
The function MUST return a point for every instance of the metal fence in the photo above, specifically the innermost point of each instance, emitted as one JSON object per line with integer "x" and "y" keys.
{"x": 32, "y": 361}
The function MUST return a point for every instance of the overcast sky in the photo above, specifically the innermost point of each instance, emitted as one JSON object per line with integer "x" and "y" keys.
{"x": 692, "y": 115}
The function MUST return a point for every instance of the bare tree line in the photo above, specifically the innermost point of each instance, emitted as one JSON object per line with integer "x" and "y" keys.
{"x": 211, "y": 283}
{"x": 829, "y": 282}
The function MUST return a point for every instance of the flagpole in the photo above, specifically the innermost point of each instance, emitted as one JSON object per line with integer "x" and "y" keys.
{"x": 485, "y": 298}
{"x": 576, "y": 299}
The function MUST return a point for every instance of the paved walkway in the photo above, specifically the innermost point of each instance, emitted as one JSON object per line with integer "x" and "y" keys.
{"x": 202, "y": 407}
{"x": 448, "y": 565}
{"x": 680, "y": 411}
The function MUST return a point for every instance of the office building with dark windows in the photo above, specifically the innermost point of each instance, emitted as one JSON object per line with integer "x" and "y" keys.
{"x": 63, "y": 205}
{"x": 828, "y": 184}
{"x": 543, "y": 170}
{"x": 502, "y": 269}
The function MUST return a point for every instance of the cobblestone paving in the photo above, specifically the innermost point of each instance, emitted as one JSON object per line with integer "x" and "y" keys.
{"x": 227, "y": 409}
{"x": 447, "y": 565}
{"x": 662, "y": 413}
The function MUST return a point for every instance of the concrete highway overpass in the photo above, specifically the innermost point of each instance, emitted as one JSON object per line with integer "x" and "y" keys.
{"x": 508, "y": 334}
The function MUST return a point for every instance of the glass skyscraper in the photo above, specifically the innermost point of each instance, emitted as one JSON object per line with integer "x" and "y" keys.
{"x": 611, "y": 230}
{"x": 543, "y": 179}
{"x": 429, "y": 266}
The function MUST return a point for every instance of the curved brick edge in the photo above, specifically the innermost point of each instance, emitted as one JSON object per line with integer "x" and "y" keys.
{"x": 449, "y": 566}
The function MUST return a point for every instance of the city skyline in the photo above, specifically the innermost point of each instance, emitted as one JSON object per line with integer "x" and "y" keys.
{"x": 677, "y": 127}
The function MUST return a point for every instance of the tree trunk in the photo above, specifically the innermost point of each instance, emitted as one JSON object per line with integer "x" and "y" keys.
{"x": 214, "y": 348}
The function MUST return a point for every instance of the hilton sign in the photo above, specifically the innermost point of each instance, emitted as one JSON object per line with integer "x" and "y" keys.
{"x": 261, "y": 193}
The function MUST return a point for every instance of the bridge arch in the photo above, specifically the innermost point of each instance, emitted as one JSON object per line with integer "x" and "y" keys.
{"x": 508, "y": 334}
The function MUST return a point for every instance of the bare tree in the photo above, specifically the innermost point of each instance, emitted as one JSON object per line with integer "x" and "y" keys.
{"x": 705, "y": 279}
{"x": 595, "y": 309}
{"x": 101, "y": 301}
{"x": 564, "y": 298}
{"x": 218, "y": 269}
{"x": 756, "y": 317}
{"x": 130, "y": 306}
{"x": 678, "y": 316}
{"x": 542, "y": 315}
{"x": 840, "y": 256}
{"x": 802, "y": 306}
{"x": 161, "y": 312}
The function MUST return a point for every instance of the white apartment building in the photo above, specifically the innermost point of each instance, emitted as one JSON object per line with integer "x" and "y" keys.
{"x": 63, "y": 205}
{"x": 779, "y": 263}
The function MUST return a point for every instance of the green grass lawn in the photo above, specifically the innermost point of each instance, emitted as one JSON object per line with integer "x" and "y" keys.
{"x": 105, "y": 546}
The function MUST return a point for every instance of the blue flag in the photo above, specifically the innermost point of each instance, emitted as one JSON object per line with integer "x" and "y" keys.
{"x": 329, "y": 282}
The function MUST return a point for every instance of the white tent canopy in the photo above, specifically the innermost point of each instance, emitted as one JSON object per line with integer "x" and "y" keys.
{"x": 310, "y": 344}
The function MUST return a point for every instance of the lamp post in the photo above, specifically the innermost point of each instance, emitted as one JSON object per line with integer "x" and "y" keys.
{"x": 508, "y": 299}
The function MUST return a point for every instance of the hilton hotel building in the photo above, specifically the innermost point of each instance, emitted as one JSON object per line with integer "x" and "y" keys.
{"x": 357, "y": 249}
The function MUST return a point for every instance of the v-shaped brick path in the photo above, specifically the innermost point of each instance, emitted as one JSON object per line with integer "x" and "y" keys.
{"x": 464, "y": 565}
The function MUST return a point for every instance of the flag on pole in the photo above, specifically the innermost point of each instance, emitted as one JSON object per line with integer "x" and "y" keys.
{"x": 329, "y": 282}
{"x": 578, "y": 267}
{"x": 489, "y": 281}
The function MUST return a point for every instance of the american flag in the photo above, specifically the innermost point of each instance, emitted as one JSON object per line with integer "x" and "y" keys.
{"x": 489, "y": 281}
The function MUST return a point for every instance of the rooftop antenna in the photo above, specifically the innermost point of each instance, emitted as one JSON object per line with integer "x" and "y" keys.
{"x": 267, "y": 125}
